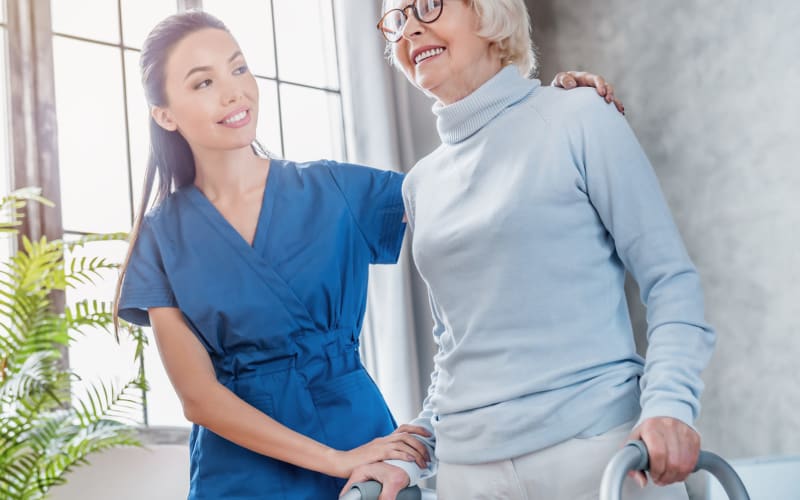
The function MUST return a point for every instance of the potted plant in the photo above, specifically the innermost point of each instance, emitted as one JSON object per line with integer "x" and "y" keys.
{"x": 45, "y": 429}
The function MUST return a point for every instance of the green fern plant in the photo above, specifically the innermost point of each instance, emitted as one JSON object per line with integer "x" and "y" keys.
{"x": 45, "y": 430}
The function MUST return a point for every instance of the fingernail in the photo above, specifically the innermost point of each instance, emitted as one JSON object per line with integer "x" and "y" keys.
{"x": 641, "y": 481}
{"x": 569, "y": 84}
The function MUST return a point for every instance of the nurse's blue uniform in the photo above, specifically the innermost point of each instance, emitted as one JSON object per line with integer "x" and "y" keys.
{"x": 280, "y": 319}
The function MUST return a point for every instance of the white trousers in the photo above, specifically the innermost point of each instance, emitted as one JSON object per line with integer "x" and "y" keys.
{"x": 567, "y": 471}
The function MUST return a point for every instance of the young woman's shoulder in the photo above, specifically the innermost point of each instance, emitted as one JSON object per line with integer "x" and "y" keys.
{"x": 335, "y": 171}
{"x": 167, "y": 210}
{"x": 325, "y": 167}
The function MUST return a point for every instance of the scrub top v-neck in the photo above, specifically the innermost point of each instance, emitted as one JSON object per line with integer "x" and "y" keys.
{"x": 280, "y": 319}
{"x": 264, "y": 212}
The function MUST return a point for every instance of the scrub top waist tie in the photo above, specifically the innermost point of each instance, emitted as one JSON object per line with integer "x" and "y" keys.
{"x": 315, "y": 356}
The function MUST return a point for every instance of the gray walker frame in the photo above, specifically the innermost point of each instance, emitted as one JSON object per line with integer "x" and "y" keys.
{"x": 371, "y": 489}
{"x": 632, "y": 457}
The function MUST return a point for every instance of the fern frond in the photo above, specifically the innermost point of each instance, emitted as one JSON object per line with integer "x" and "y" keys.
{"x": 33, "y": 376}
{"x": 89, "y": 314}
{"x": 91, "y": 238}
{"x": 85, "y": 270}
{"x": 104, "y": 401}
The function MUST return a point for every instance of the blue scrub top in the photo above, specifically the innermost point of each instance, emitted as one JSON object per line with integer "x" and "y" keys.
{"x": 280, "y": 319}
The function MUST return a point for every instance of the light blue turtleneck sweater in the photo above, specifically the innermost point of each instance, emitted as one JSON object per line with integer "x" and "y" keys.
{"x": 525, "y": 220}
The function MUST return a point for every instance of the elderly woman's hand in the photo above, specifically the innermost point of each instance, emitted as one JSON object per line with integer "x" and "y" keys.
{"x": 572, "y": 79}
{"x": 673, "y": 448}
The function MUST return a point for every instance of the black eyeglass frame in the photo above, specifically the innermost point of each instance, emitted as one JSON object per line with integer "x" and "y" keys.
{"x": 413, "y": 6}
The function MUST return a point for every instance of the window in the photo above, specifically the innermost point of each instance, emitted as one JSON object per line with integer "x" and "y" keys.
{"x": 102, "y": 123}
{"x": 290, "y": 47}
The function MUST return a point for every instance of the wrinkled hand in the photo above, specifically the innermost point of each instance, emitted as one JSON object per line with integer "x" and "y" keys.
{"x": 392, "y": 478}
{"x": 673, "y": 447}
{"x": 399, "y": 445}
{"x": 571, "y": 79}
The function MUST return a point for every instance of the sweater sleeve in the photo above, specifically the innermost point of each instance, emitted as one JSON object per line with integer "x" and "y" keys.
{"x": 623, "y": 189}
{"x": 426, "y": 416}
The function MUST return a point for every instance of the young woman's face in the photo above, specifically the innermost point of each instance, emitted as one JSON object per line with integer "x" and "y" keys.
{"x": 446, "y": 58}
{"x": 212, "y": 98}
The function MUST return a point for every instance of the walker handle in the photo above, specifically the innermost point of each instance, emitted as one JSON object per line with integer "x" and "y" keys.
{"x": 634, "y": 457}
{"x": 371, "y": 489}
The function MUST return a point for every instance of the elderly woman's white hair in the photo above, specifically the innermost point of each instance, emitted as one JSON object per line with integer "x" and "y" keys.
{"x": 504, "y": 22}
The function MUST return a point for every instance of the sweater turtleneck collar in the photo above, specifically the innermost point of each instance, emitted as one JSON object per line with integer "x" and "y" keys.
{"x": 460, "y": 120}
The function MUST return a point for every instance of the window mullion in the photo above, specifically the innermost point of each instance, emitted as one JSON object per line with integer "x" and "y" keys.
{"x": 189, "y": 4}
{"x": 339, "y": 78}
{"x": 277, "y": 78}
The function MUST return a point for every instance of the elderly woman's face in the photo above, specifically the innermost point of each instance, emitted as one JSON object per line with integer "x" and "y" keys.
{"x": 446, "y": 58}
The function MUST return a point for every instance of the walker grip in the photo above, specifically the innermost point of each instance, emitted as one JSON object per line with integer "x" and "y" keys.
{"x": 371, "y": 489}
{"x": 634, "y": 457}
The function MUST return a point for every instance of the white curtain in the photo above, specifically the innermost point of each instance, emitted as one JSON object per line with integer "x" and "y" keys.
{"x": 378, "y": 113}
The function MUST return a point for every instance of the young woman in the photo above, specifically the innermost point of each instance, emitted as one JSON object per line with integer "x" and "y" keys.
{"x": 252, "y": 272}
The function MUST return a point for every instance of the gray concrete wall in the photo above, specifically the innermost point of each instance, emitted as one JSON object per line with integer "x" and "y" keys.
{"x": 711, "y": 89}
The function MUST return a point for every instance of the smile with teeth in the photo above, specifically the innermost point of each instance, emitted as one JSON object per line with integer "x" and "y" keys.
{"x": 428, "y": 54}
{"x": 235, "y": 118}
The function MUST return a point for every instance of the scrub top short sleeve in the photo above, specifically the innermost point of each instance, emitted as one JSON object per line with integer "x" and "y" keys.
{"x": 375, "y": 199}
{"x": 145, "y": 284}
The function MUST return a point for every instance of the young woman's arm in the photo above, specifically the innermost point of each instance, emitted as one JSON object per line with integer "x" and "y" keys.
{"x": 208, "y": 403}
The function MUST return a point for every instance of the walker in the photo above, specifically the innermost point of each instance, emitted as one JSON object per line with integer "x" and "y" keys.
{"x": 632, "y": 457}
{"x": 371, "y": 489}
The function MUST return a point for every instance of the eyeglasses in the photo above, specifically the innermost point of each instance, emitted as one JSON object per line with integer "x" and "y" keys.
{"x": 393, "y": 22}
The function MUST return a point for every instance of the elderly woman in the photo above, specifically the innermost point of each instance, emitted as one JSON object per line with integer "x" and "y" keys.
{"x": 525, "y": 221}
